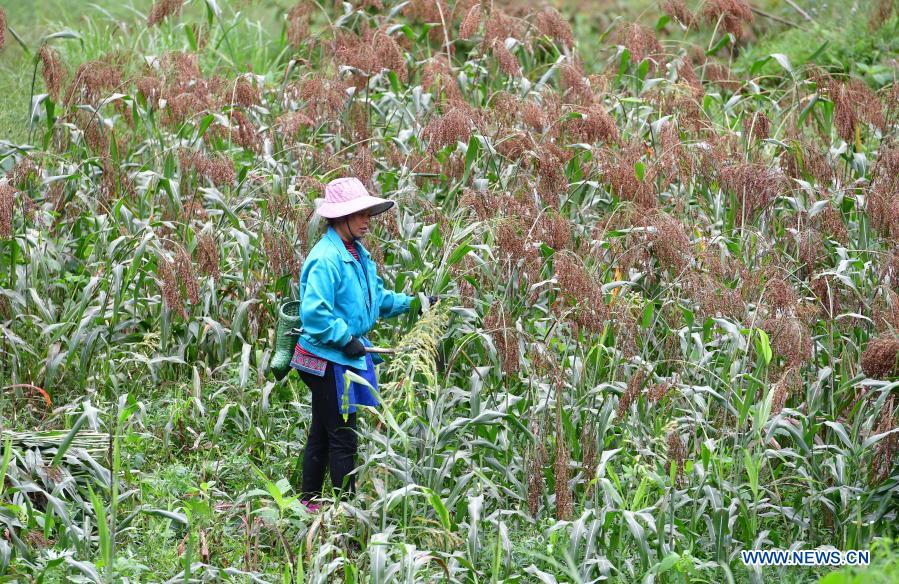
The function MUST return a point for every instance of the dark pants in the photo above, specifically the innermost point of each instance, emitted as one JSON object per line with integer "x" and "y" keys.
{"x": 331, "y": 442}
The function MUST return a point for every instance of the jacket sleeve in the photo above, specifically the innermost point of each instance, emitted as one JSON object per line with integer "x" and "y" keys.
{"x": 317, "y": 305}
{"x": 391, "y": 303}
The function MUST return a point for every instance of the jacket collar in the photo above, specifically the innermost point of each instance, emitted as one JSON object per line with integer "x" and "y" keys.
{"x": 335, "y": 239}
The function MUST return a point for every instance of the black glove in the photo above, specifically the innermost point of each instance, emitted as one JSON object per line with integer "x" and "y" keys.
{"x": 354, "y": 348}
{"x": 432, "y": 300}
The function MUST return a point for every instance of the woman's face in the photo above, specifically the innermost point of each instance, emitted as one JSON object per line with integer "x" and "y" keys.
{"x": 358, "y": 223}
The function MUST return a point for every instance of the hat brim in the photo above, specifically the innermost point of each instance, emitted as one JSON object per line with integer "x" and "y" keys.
{"x": 374, "y": 206}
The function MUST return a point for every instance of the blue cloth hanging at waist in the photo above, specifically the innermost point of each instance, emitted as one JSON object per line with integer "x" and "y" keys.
{"x": 357, "y": 394}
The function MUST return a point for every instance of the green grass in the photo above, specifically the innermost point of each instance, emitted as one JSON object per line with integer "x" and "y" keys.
{"x": 839, "y": 42}
{"x": 450, "y": 463}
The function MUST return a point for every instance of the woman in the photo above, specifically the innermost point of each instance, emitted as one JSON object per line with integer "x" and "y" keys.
{"x": 341, "y": 297}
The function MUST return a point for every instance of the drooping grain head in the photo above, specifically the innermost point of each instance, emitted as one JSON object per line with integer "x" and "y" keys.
{"x": 756, "y": 126}
{"x": 500, "y": 327}
{"x": 298, "y": 24}
{"x": 631, "y": 393}
{"x": 291, "y": 124}
{"x": 162, "y": 10}
{"x": 245, "y": 92}
{"x": 370, "y": 53}
{"x": 434, "y": 12}
{"x": 779, "y": 293}
{"x": 363, "y": 166}
{"x": 499, "y": 27}
{"x": 188, "y": 278}
{"x": 810, "y": 249}
{"x": 676, "y": 455}
{"x": 437, "y": 73}
{"x": 881, "y": 13}
{"x": 687, "y": 75}
{"x": 790, "y": 339}
{"x": 882, "y": 206}
{"x": 52, "y": 70}
{"x": 755, "y": 186}
{"x": 823, "y": 287}
{"x": 657, "y": 391}
{"x": 150, "y": 87}
{"x": 508, "y": 63}
{"x": 720, "y": 75}
{"x": 2, "y": 28}
{"x": 562, "y": 474}
{"x": 551, "y": 23}
{"x": 243, "y": 132}
{"x": 789, "y": 383}
{"x": 620, "y": 171}
{"x": 549, "y": 163}
{"x": 92, "y": 81}
{"x": 670, "y": 243}
{"x": 536, "y": 462}
{"x": 171, "y": 291}
{"x": 641, "y": 43}
{"x": 589, "y": 463}
{"x": 471, "y": 23}
{"x": 575, "y": 86}
{"x": 879, "y": 358}
{"x": 678, "y": 10}
{"x": 219, "y": 169}
{"x": 888, "y": 446}
{"x": 208, "y": 256}
{"x": 183, "y": 68}
{"x": 24, "y": 174}
{"x": 280, "y": 253}
{"x": 533, "y": 116}
{"x": 886, "y": 170}
{"x": 454, "y": 126}
{"x": 733, "y": 15}
{"x": 7, "y": 207}
{"x": 595, "y": 125}
{"x": 325, "y": 98}
{"x": 805, "y": 159}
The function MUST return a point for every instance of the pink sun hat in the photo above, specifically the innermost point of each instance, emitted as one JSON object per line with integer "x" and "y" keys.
{"x": 345, "y": 196}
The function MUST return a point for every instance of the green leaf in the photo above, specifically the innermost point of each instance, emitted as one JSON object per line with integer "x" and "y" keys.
{"x": 190, "y": 34}
{"x": 625, "y": 60}
{"x": 67, "y": 441}
{"x": 647, "y": 314}
{"x": 807, "y": 110}
{"x": 811, "y": 58}
{"x": 757, "y": 65}
{"x": 763, "y": 345}
{"x": 459, "y": 253}
{"x": 643, "y": 69}
{"x": 394, "y": 83}
{"x": 725, "y": 40}
{"x": 7, "y": 456}
{"x": 471, "y": 153}
{"x": 662, "y": 22}
{"x": 204, "y": 125}
{"x": 177, "y": 517}
{"x": 439, "y": 508}
{"x": 640, "y": 170}
{"x": 212, "y": 11}
{"x": 784, "y": 62}
{"x": 667, "y": 562}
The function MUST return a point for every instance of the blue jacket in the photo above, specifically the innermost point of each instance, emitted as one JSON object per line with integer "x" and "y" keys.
{"x": 342, "y": 298}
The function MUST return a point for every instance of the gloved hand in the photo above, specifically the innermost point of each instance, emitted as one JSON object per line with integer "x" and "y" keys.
{"x": 354, "y": 348}
{"x": 432, "y": 300}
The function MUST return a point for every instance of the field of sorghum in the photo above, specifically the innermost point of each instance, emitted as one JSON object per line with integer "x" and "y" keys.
{"x": 671, "y": 263}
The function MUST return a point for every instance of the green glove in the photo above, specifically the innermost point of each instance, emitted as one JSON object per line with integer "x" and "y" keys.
{"x": 285, "y": 342}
